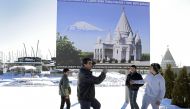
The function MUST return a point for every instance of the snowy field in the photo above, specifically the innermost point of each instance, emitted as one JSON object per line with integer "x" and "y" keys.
{"x": 42, "y": 93}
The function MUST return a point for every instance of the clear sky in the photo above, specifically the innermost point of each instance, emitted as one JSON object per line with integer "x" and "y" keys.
{"x": 104, "y": 17}
{"x": 169, "y": 26}
{"x": 27, "y": 21}
{"x": 30, "y": 20}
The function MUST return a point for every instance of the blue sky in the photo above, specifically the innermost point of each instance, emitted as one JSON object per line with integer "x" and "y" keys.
{"x": 103, "y": 16}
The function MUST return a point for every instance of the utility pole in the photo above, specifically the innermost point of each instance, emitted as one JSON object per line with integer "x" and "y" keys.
{"x": 33, "y": 51}
{"x": 37, "y": 49}
{"x": 25, "y": 50}
{"x": 50, "y": 53}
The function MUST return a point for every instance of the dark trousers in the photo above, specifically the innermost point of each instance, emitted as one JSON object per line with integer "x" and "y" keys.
{"x": 63, "y": 100}
{"x": 87, "y": 104}
{"x": 133, "y": 97}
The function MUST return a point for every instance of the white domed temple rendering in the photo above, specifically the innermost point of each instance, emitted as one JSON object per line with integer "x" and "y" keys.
{"x": 123, "y": 45}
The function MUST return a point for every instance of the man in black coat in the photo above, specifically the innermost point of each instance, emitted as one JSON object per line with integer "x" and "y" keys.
{"x": 133, "y": 88}
{"x": 86, "y": 88}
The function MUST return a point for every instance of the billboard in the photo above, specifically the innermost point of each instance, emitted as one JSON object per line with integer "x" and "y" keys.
{"x": 108, "y": 31}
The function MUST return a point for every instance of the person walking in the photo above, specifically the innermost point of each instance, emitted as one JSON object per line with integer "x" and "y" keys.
{"x": 86, "y": 85}
{"x": 64, "y": 89}
{"x": 133, "y": 88}
{"x": 155, "y": 87}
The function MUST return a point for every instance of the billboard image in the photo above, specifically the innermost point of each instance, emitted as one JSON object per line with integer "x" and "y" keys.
{"x": 110, "y": 32}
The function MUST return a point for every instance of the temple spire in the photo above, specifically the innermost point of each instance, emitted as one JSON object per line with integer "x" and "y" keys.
{"x": 137, "y": 38}
{"x": 123, "y": 24}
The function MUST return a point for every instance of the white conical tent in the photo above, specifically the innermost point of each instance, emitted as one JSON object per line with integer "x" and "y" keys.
{"x": 168, "y": 56}
{"x": 168, "y": 59}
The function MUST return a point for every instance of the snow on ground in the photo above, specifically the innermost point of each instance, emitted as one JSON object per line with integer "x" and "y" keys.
{"x": 112, "y": 79}
{"x": 48, "y": 98}
{"x": 19, "y": 92}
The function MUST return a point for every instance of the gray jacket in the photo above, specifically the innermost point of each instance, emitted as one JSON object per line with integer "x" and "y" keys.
{"x": 64, "y": 87}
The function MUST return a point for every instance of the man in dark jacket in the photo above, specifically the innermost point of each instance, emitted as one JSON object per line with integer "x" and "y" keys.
{"x": 86, "y": 88}
{"x": 133, "y": 88}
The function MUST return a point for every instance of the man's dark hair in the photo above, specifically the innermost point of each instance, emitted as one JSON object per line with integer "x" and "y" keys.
{"x": 156, "y": 67}
{"x": 134, "y": 66}
{"x": 93, "y": 63}
{"x": 65, "y": 70}
{"x": 86, "y": 60}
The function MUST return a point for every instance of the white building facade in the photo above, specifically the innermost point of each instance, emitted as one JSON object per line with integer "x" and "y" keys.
{"x": 124, "y": 44}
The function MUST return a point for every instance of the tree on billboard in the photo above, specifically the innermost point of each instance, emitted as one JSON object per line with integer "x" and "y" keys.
{"x": 67, "y": 53}
{"x": 86, "y": 54}
{"x": 145, "y": 57}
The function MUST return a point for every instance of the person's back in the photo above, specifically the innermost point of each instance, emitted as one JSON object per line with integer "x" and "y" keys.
{"x": 155, "y": 87}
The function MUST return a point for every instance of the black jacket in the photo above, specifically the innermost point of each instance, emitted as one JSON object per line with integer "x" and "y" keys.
{"x": 86, "y": 82}
{"x": 133, "y": 76}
